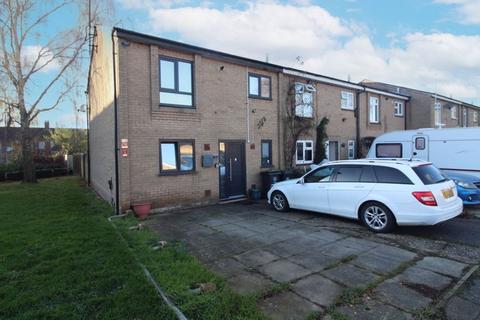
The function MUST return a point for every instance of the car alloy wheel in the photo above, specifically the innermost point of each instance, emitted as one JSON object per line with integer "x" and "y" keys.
{"x": 375, "y": 217}
{"x": 279, "y": 201}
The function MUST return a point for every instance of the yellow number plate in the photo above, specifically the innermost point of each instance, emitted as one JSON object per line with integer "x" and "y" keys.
{"x": 447, "y": 193}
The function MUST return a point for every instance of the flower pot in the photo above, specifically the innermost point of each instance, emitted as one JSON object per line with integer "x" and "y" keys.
{"x": 142, "y": 210}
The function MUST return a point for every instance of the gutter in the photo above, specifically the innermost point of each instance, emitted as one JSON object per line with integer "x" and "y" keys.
{"x": 115, "y": 111}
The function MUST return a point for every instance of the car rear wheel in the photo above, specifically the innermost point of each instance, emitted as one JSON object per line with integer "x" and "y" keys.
{"x": 279, "y": 202}
{"x": 377, "y": 217}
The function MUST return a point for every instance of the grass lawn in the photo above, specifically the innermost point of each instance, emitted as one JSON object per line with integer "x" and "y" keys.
{"x": 60, "y": 258}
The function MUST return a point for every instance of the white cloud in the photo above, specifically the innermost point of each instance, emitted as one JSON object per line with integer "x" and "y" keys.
{"x": 328, "y": 45}
{"x": 30, "y": 54}
{"x": 468, "y": 10}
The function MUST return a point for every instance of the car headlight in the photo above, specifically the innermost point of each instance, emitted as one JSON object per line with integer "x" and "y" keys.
{"x": 466, "y": 185}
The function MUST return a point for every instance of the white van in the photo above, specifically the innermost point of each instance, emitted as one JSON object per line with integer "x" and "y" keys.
{"x": 453, "y": 149}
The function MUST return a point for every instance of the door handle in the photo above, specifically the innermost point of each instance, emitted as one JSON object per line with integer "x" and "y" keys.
{"x": 230, "y": 169}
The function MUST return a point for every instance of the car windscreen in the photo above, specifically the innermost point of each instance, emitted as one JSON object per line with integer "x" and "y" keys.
{"x": 429, "y": 174}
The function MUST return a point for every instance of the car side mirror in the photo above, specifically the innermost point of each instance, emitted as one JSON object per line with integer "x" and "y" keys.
{"x": 301, "y": 181}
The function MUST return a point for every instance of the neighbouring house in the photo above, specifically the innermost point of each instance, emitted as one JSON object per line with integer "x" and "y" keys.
{"x": 10, "y": 142}
{"x": 432, "y": 110}
{"x": 179, "y": 125}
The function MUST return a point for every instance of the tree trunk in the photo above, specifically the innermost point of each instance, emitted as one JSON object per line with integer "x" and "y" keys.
{"x": 28, "y": 165}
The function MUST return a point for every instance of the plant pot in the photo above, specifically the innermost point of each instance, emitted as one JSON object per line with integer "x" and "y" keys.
{"x": 142, "y": 210}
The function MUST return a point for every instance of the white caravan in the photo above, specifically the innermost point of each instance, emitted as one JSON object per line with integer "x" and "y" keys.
{"x": 453, "y": 149}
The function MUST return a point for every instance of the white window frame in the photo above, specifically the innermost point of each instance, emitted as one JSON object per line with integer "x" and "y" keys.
{"x": 398, "y": 108}
{"x": 346, "y": 100}
{"x": 305, "y": 148}
{"x": 454, "y": 113}
{"x": 303, "y": 110}
{"x": 373, "y": 110}
{"x": 475, "y": 116}
{"x": 437, "y": 109}
{"x": 465, "y": 118}
{"x": 351, "y": 147}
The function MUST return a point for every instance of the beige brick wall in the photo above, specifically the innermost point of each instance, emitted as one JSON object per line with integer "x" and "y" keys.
{"x": 101, "y": 119}
{"x": 220, "y": 114}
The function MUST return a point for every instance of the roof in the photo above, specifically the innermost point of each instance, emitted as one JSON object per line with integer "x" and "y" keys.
{"x": 180, "y": 46}
{"x": 371, "y": 84}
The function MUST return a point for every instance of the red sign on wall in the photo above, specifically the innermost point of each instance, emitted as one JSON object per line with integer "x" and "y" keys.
{"x": 124, "y": 148}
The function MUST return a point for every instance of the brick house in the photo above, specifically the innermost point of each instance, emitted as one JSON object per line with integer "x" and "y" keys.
{"x": 431, "y": 110}
{"x": 179, "y": 125}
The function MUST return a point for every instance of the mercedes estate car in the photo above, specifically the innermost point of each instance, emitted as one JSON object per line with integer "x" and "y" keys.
{"x": 379, "y": 193}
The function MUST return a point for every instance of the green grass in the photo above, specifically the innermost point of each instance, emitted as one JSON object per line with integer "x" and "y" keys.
{"x": 60, "y": 258}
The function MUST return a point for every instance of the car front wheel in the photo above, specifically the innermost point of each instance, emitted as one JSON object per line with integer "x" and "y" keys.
{"x": 279, "y": 202}
{"x": 377, "y": 217}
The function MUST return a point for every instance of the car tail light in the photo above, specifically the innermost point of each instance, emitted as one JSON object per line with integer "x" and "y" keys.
{"x": 425, "y": 197}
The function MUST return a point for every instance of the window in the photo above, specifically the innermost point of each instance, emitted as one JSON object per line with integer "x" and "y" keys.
{"x": 322, "y": 174}
{"x": 347, "y": 100}
{"x": 390, "y": 175}
{"x": 388, "y": 150}
{"x": 266, "y": 150}
{"x": 465, "y": 118}
{"x": 438, "y": 114}
{"x": 177, "y": 156}
{"x": 398, "y": 108}
{"x": 475, "y": 116}
{"x": 420, "y": 143}
{"x": 351, "y": 149}
{"x": 374, "y": 116}
{"x": 304, "y": 154}
{"x": 304, "y": 100}
{"x": 454, "y": 113}
{"x": 41, "y": 145}
{"x": 348, "y": 174}
{"x": 176, "y": 82}
{"x": 429, "y": 174}
{"x": 368, "y": 175}
{"x": 259, "y": 87}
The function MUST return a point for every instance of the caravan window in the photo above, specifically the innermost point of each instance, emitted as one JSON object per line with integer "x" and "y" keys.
{"x": 420, "y": 143}
{"x": 388, "y": 150}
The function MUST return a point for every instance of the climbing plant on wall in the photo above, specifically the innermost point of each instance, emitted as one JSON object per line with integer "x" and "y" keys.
{"x": 322, "y": 137}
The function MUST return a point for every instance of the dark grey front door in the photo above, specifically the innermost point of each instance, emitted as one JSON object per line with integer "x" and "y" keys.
{"x": 232, "y": 169}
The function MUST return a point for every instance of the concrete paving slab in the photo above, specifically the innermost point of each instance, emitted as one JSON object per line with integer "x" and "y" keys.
{"x": 472, "y": 290}
{"x": 393, "y": 253}
{"x": 246, "y": 283}
{"x": 376, "y": 263}
{"x": 372, "y": 309}
{"x": 350, "y": 275}
{"x": 256, "y": 257}
{"x": 441, "y": 265}
{"x": 318, "y": 289}
{"x": 287, "y": 306}
{"x": 358, "y": 244}
{"x": 419, "y": 276}
{"x": 328, "y": 235}
{"x": 400, "y": 296}
{"x": 461, "y": 309}
{"x": 338, "y": 251}
{"x": 284, "y": 270}
{"x": 313, "y": 261}
{"x": 286, "y": 248}
{"x": 227, "y": 267}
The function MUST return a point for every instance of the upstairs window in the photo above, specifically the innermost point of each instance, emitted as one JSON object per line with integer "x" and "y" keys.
{"x": 304, "y": 154}
{"x": 259, "y": 87}
{"x": 454, "y": 113}
{"x": 177, "y": 156}
{"x": 304, "y": 100}
{"x": 475, "y": 116}
{"x": 465, "y": 118}
{"x": 374, "y": 112}
{"x": 347, "y": 100}
{"x": 176, "y": 82}
{"x": 438, "y": 114}
{"x": 398, "y": 108}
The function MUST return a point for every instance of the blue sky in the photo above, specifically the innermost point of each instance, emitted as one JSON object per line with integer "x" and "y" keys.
{"x": 430, "y": 44}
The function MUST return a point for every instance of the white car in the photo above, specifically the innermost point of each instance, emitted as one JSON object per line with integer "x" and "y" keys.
{"x": 380, "y": 193}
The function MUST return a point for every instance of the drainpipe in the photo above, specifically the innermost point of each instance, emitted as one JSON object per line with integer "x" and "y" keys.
{"x": 357, "y": 122}
{"x": 248, "y": 110}
{"x": 115, "y": 111}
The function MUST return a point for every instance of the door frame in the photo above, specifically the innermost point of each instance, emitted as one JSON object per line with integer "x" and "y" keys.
{"x": 337, "y": 151}
{"x": 424, "y": 151}
{"x": 244, "y": 167}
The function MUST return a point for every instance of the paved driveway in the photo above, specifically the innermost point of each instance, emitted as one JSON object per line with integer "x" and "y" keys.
{"x": 300, "y": 263}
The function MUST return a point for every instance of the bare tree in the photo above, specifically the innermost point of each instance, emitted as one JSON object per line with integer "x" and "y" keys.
{"x": 21, "y": 62}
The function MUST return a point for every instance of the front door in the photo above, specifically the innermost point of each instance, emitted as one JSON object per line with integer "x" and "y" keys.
{"x": 333, "y": 150}
{"x": 420, "y": 147}
{"x": 232, "y": 169}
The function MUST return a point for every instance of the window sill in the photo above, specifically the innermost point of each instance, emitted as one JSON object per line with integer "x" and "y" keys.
{"x": 177, "y": 173}
{"x": 399, "y": 115}
{"x": 260, "y": 98}
{"x": 347, "y": 109}
{"x": 374, "y": 123}
{"x": 176, "y": 106}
